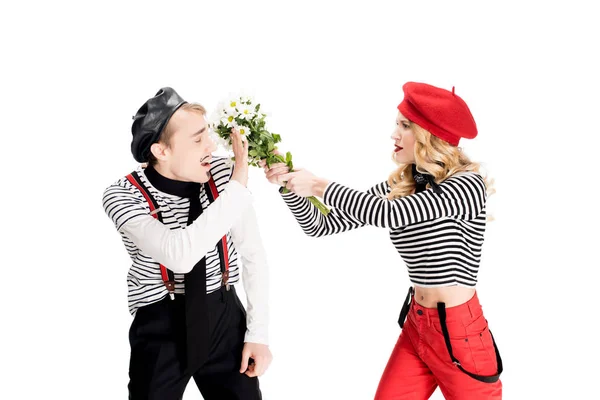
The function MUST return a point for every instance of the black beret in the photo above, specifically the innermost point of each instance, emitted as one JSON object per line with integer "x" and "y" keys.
{"x": 151, "y": 119}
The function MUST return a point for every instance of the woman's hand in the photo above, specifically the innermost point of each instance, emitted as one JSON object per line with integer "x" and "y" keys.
{"x": 304, "y": 183}
{"x": 274, "y": 173}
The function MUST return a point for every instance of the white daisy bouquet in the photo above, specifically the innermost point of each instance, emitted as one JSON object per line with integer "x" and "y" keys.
{"x": 243, "y": 114}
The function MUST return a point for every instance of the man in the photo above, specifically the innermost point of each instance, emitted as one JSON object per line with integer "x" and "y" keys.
{"x": 182, "y": 219}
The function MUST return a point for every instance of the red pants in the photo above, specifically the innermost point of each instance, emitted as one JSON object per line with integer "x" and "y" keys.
{"x": 421, "y": 362}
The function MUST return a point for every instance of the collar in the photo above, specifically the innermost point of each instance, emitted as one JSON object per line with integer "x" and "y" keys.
{"x": 171, "y": 186}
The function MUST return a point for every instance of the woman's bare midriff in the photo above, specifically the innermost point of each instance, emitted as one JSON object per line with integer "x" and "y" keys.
{"x": 451, "y": 295}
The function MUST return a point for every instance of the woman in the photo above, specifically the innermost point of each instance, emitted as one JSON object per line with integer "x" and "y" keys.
{"x": 434, "y": 205}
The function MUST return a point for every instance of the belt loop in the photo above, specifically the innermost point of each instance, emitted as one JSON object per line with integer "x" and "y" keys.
{"x": 428, "y": 318}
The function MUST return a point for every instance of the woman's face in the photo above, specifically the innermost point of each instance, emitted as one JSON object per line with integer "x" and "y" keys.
{"x": 404, "y": 141}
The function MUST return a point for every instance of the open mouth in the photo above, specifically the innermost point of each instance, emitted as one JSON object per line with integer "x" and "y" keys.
{"x": 398, "y": 148}
{"x": 205, "y": 161}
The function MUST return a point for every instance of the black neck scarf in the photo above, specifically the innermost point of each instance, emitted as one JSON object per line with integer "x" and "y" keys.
{"x": 422, "y": 179}
{"x": 196, "y": 315}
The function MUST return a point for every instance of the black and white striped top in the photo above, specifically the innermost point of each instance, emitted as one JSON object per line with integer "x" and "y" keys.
{"x": 123, "y": 202}
{"x": 439, "y": 236}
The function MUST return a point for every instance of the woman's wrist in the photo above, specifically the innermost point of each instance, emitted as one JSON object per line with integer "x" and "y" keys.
{"x": 319, "y": 186}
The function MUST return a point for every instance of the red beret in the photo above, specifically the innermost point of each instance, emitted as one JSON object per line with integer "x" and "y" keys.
{"x": 439, "y": 111}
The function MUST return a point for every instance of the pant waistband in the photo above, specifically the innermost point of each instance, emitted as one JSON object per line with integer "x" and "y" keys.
{"x": 465, "y": 312}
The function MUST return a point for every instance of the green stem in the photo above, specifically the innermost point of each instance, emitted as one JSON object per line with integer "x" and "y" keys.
{"x": 316, "y": 202}
{"x": 324, "y": 210}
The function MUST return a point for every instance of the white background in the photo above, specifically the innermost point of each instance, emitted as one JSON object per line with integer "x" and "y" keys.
{"x": 330, "y": 73}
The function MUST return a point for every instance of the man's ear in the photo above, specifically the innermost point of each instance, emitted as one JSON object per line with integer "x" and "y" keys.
{"x": 158, "y": 150}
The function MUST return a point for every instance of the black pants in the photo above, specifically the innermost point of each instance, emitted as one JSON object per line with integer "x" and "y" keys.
{"x": 157, "y": 336}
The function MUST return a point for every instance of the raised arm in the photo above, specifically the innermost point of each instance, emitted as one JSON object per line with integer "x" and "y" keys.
{"x": 315, "y": 224}
{"x": 463, "y": 196}
{"x": 178, "y": 250}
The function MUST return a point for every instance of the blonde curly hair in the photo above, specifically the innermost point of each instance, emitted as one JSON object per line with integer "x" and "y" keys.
{"x": 435, "y": 157}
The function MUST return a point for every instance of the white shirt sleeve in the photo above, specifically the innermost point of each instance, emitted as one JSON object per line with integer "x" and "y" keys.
{"x": 179, "y": 250}
{"x": 255, "y": 275}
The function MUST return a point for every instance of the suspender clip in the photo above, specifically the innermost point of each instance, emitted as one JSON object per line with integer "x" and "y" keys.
{"x": 225, "y": 279}
{"x": 171, "y": 288}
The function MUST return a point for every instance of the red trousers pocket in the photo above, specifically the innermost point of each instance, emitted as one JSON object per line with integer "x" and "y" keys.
{"x": 471, "y": 343}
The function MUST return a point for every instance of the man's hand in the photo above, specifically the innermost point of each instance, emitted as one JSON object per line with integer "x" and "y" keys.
{"x": 240, "y": 152}
{"x": 262, "y": 359}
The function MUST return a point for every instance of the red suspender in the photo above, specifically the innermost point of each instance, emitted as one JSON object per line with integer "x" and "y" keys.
{"x": 222, "y": 245}
{"x": 167, "y": 275}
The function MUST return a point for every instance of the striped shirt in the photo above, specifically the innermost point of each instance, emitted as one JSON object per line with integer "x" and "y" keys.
{"x": 123, "y": 202}
{"x": 179, "y": 246}
{"x": 439, "y": 236}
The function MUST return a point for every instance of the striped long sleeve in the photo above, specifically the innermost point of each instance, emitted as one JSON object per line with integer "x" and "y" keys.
{"x": 315, "y": 224}
{"x": 463, "y": 197}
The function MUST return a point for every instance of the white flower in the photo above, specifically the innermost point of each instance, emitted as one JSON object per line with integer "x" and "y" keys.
{"x": 246, "y": 100}
{"x": 232, "y": 107}
{"x": 246, "y": 111}
{"x": 228, "y": 120}
{"x": 219, "y": 140}
{"x": 242, "y": 129}
{"x": 214, "y": 119}
{"x": 245, "y": 96}
{"x": 217, "y": 115}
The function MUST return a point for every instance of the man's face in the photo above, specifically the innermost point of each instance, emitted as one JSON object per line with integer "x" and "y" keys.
{"x": 189, "y": 155}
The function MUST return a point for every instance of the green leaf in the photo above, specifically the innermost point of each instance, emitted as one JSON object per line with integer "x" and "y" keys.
{"x": 253, "y": 153}
{"x": 257, "y": 107}
{"x": 276, "y": 138}
{"x": 271, "y": 146}
{"x": 288, "y": 157}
